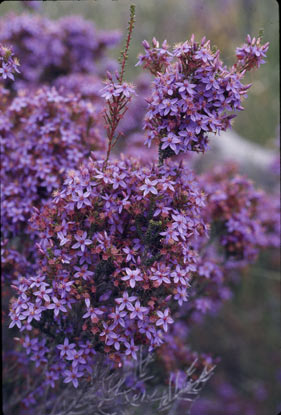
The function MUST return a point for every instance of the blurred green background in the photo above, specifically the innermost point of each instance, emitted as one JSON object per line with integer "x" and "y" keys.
{"x": 224, "y": 22}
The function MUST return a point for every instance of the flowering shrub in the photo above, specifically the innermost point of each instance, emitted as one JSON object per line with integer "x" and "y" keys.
{"x": 193, "y": 92}
{"x": 48, "y": 49}
{"x": 124, "y": 260}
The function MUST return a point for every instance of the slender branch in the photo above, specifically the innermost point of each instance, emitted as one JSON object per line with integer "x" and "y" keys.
{"x": 124, "y": 53}
{"x": 120, "y": 102}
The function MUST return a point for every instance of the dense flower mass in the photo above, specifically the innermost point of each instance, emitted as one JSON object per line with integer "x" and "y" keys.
{"x": 244, "y": 219}
{"x": 8, "y": 63}
{"x": 116, "y": 252}
{"x": 193, "y": 93}
{"x": 48, "y": 49}
{"x": 43, "y": 135}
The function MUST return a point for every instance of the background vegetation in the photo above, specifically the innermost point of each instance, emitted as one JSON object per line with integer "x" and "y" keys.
{"x": 224, "y": 22}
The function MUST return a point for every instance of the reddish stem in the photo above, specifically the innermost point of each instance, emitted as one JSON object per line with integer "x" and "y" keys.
{"x": 113, "y": 118}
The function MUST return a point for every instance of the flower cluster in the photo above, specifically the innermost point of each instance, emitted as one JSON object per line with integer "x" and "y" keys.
{"x": 116, "y": 254}
{"x": 156, "y": 59}
{"x": 43, "y": 135}
{"x": 244, "y": 219}
{"x": 8, "y": 63}
{"x": 48, "y": 49}
{"x": 194, "y": 95}
{"x": 252, "y": 53}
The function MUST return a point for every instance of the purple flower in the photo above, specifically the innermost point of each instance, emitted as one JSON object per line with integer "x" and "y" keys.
{"x": 81, "y": 198}
{"x": 82, "y": 272}
{"x": 192, "y": 91}
{"x": 92, "y": 312}
{"x": 57, "y": 305}
{"x": 72, "y": 376}
{"x": 131, "y": 349}
{"x": 186, "y": 86}
{"x": 251, "y": 54}
{"x": 6, "y": 72}
{"x": 168, "y": 105}
{"x": 170, "y": 141}
{"x": 149, "y": 187}
{"x": 33, "y": 312}
{"x": 76, "y": 357}
{"x": 118, "y": 180}
{"x": 160, "y": 277}
{"x": 114, "y": 339}
{"x": 130, "y": 254}
{"x": 132, "y": 276}
{"x": 181, "y": 295}
{"x": 107, "y": 330}
{"x": 124, "y": 89}
{"x": 65, "y": 347}
{"x": 203, "y": 304}
{"x": 164, "y": 319}
{"x": 125, "y": 301}
{"x": 37, "y": 281}
{"x": 63, "y": 239}
{"x": 16, "y": 320}
{"x": 180, "y": 275}
{"x": 108, "y": 90}
{"x": 43, "y": 292}
{"x": 117, "y": 316}
{"x": 137, "y": 310}
{"x": 82, "y": 241}
{"x": 51, "y": 377}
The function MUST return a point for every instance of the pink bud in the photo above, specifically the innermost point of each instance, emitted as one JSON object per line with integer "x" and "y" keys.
{"x": 145, "y": 44}
{"x": 155, "y": 42}
{"x": 109, "y": 75}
